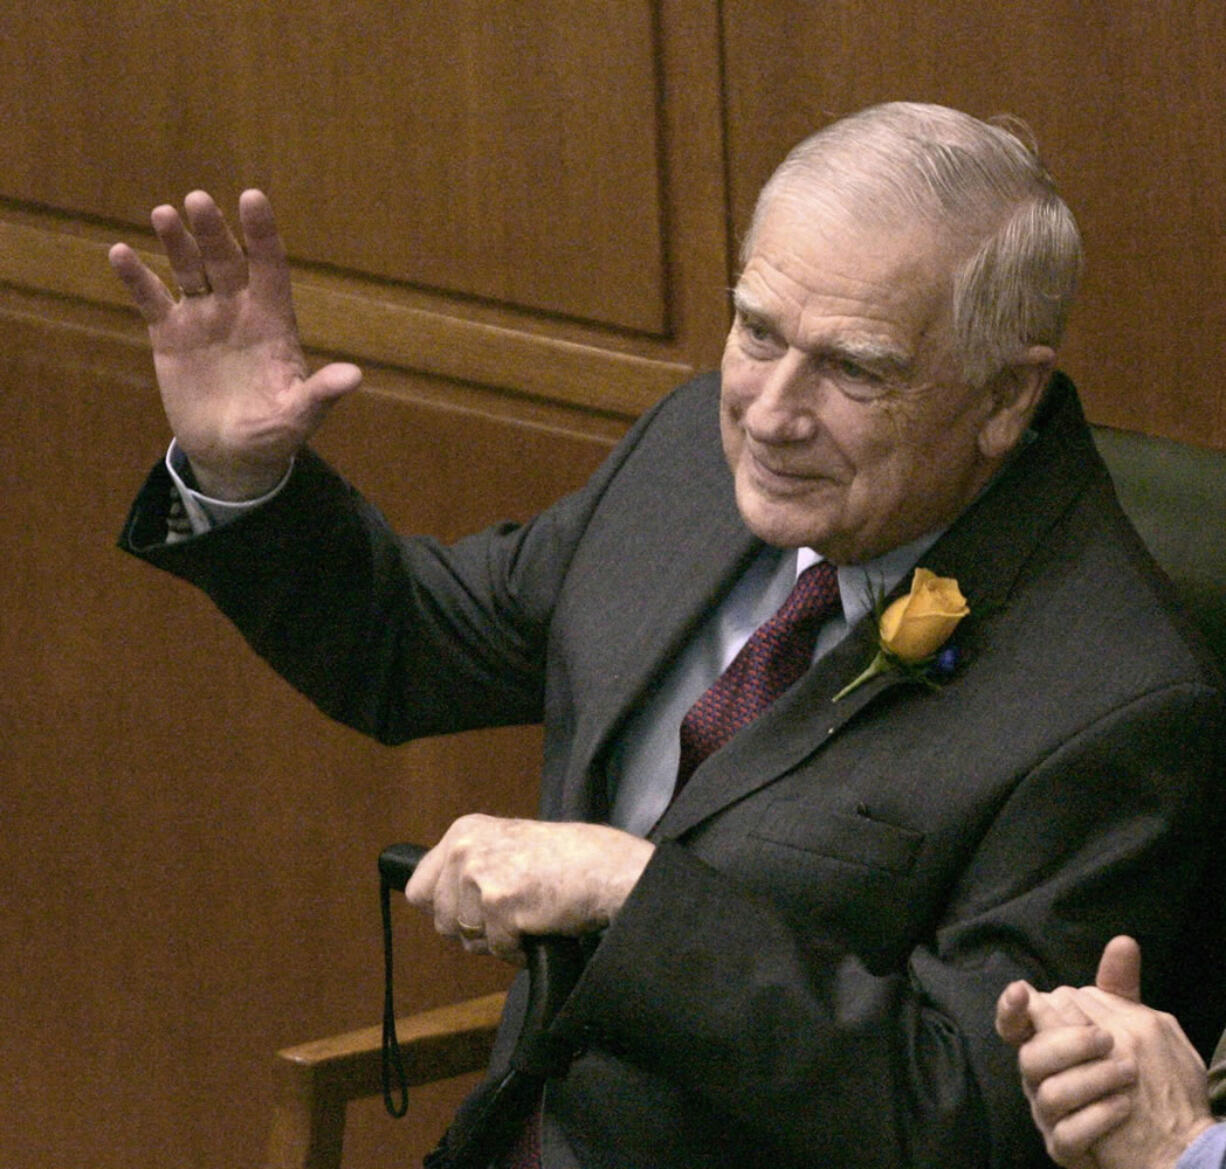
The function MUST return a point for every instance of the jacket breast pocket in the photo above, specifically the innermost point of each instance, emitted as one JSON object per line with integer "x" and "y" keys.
{"x": 840, "y": 877}
{"x": 851, "y": 839}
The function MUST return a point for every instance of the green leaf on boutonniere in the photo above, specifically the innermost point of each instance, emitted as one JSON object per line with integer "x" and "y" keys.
{"x": 912, "y": 630}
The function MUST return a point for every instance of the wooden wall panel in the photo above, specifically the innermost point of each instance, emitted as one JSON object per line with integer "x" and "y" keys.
{"x": 518, "y": 217}
{"x": 508, "y": 152}
{"x": 1124, "y": 100}
{"x": 423, "y": 159}
{"x": 188, "y": 846}
{"x": 500, "y": 150}
{"x": 513, "y": 217}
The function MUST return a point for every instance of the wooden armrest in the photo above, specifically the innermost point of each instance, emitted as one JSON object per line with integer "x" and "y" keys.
{"x": 316, "y": 1080}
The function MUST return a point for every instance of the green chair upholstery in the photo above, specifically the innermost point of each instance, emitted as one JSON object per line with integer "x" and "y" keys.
{"x": 1175, "y": 495}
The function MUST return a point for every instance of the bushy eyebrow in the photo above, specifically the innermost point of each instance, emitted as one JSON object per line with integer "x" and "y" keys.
{"x": 749, "y": 312}
{"x": 874, "y": 355}
{"x": 743, "y": 305}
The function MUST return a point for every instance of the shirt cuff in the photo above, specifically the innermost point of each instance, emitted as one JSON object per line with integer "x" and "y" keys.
{"x": 203, "y": 512}
{"x": 1208, "y": 1151}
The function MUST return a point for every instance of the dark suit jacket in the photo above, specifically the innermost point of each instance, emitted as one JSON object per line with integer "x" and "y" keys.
{"x": 806, "y": 973}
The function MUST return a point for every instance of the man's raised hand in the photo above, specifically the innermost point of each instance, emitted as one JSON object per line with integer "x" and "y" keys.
{"x": 233, "y": 378}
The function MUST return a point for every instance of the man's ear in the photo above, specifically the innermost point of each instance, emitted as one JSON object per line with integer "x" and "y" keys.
{"x": 1015, "y": 394}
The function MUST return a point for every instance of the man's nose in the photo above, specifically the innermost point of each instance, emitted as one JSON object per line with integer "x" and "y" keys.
{"x": 784, "y": 406}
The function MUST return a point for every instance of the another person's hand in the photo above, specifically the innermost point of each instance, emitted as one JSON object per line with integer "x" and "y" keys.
{"x": 233, "y": 378}
{"x": 491, "y": 880}
{"x": 1112, "y": 1083}
{"x": 1075, "y": 1084}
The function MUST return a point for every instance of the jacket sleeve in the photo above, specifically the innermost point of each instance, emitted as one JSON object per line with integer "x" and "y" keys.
{"x": 816, "y": 1058}
{"x": 1206, "y": 1152}
{"x": 396, "y": 637}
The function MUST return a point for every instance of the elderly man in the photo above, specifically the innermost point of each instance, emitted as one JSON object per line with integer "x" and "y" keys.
{"x": 1112, "y": 1083}
{"x": 802, "y": 883}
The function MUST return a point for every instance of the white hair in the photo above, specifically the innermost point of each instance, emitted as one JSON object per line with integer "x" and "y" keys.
{"x": 981, "y": 188}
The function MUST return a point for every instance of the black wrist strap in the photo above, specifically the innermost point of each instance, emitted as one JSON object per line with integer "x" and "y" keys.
{"x": 392, "y": 1063}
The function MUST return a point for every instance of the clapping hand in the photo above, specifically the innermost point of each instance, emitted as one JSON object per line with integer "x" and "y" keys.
{"x": 1112, "y": 1083}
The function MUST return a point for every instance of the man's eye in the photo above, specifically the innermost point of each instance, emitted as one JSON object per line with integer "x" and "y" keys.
{"x": 757, "y": 332}
{"x": 858, "y": 382}
{"x": 853, "y": 371}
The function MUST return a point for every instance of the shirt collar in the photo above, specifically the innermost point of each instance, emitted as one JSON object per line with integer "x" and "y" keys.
{"x": 861, "y": 585}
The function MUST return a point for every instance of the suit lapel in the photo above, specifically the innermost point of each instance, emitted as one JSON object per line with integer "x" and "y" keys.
{"x": 695, "y": 587}
{"x": 695, "y": 579}
{"x": 984, "y": 550}
{"x": 803, "y": 721}
{"x": 681, "y": 561}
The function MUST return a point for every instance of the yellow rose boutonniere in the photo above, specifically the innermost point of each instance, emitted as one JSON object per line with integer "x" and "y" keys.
{"x": 913, "y": 628}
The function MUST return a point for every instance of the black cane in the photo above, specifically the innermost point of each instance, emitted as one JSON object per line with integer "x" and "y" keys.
{"x": 554, "y": 966}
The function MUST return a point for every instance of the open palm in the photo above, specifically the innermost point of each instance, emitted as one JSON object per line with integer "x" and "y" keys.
{"x": 230, "y": 367}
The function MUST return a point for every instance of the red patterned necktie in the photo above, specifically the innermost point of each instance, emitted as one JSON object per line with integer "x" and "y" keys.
{"x": 772, "y": 659}
{"x": 525, "y": 1153}
{"x": 775, "y": 656}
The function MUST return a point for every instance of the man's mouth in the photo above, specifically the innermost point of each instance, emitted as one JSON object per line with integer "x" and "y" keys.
{"x": 778, "y": 476}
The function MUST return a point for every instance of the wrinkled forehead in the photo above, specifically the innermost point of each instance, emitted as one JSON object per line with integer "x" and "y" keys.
{"x": 826, "y": 279}
{"x": 902, "y": 168}
{"x": 866, "y": 206}
{"x": 800, "y": 234}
